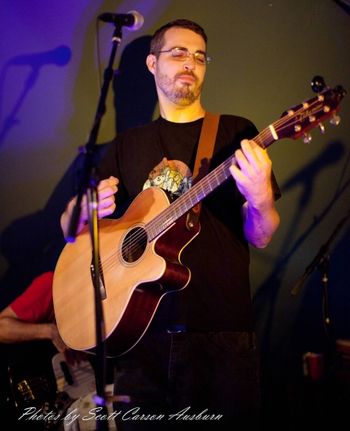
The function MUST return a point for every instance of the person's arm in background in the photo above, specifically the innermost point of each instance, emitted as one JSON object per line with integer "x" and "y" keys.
{"x": 30, "y": 317}
{"x": 15, "y": 330}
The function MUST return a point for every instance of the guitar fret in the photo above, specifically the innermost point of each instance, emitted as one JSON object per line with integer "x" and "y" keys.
{"x": 267, "y": 136}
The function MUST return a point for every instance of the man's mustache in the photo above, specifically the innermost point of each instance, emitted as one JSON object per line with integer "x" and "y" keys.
{"x": 178, "y": 75}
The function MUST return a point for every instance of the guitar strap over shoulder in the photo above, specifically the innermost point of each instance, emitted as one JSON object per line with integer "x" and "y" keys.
{"x": 204, "y": 154}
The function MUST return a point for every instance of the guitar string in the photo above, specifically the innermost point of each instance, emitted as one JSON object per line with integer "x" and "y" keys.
{"x": 152, "y": 227}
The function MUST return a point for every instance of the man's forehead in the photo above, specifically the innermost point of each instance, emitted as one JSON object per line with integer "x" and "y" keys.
{"x": 183, "y": 37}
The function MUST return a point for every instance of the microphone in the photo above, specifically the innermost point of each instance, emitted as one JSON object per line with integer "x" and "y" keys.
{"x": 133, "y": 19}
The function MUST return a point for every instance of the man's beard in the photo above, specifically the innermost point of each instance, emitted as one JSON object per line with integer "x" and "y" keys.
{"x": 183, "y": 95}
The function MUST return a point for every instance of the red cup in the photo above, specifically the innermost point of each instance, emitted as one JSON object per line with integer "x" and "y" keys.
{"x": 313, "y": 365}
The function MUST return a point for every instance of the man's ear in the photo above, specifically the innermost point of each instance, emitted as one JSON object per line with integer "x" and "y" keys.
{"x": 151, "y": 62}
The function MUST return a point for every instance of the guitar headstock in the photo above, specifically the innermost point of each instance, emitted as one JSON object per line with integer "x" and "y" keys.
{"x": 300, "y": 119}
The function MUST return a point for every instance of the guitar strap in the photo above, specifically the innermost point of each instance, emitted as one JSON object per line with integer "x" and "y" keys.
{"x": 204, "y": 154}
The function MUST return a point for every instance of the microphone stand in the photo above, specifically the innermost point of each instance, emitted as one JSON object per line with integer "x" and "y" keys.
{"x": 88, "y": 185}
{"x": 321, "y": 261}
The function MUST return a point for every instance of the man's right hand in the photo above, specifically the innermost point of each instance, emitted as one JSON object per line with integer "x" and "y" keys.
{"x": 106, "y": 205}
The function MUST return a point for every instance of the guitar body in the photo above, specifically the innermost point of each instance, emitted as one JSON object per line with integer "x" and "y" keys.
{"x": 134, "y": 279}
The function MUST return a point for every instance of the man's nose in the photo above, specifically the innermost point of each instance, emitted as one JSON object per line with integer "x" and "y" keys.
{"x": 190, "y": 62}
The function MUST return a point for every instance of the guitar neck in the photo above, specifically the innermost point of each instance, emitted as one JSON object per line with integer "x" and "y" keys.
{"x": 293, "y": 123}
{"x": 201, "y": 189}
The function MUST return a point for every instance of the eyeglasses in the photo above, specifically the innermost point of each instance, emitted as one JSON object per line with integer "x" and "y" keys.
{"x": 181, "y": 54}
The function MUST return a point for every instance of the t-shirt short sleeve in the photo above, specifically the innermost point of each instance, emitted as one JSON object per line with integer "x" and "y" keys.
{"x": 35, "y": 304}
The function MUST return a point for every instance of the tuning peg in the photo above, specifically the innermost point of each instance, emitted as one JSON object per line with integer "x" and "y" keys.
{"x": 307, "y": 138}
{"x": 318, "y": 84}
{"x": 335, "y": 120}
{"x": 321, "y": 127}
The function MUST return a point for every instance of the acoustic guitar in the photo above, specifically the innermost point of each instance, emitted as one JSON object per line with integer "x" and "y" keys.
{"x": 140, "y": 253}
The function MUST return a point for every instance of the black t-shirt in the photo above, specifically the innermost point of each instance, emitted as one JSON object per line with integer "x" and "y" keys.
{"x": 162, "y": 154}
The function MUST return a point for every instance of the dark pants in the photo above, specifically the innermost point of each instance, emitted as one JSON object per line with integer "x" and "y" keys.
{"x": 177, "y": 381}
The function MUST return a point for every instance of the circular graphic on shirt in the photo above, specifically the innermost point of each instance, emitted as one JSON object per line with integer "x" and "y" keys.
{"x": 172, "y": 176}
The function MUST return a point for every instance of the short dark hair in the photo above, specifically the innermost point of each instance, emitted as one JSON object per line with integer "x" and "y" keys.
{"x": 158, "y": 37}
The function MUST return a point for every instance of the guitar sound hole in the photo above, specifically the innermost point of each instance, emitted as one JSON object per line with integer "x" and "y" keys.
{"x": 134, "y": 244}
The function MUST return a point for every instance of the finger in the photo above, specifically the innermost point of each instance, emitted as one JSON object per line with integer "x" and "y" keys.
{"x": 103, "y": 212}
{"x": 108, "y": 182}
{"x": 257, "y": 157}
{"x": 260, "y": 153}
{"x": 107, "y": 188}
{"x": 242, "y": 162}
{"x": 250, "y": 149}
{"x": 237, "y": 174}
{"x": 106, "y": 202}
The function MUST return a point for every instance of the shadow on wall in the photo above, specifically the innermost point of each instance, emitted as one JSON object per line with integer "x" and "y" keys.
{"x": 283, "y": 382}
{"x": 32, "y": 244}
{"x": 344, "y": 4}
{"x": 311, "y": 382}
{"x": 267, "y": 293}
{"x": 59, "y": 56}
{"x": 322, "y": 300}
{"x": 135, "y": 95}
